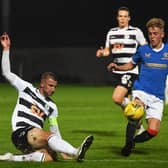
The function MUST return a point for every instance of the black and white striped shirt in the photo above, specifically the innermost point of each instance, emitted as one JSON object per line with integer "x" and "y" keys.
{"x": 123, "y": 44}
{"x": 32, "y": 108}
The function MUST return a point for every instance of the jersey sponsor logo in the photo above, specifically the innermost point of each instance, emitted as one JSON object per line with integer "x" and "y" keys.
{"x": 34, "y": 108}
{"x": 30, "y": 117}
{"x": 117, "y": 46}
{"x": 37, "y": 111}
{"x": 34, "y": 96}
{"x": 154, "y": 65}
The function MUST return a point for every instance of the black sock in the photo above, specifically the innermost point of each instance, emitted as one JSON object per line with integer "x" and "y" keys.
{"x": 130, "y": 131}
{"x": 144, "y": 136}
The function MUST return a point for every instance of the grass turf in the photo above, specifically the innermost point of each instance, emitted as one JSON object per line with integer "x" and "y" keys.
{"x": 85, "y": 110}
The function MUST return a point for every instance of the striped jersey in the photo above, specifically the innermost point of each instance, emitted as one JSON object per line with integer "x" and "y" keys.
{"x": 123, "y": 44}
{"x": 31, "y": 108}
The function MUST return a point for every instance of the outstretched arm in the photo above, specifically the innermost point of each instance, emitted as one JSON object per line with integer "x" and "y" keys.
{"x": 125, "y": 67}
{"x": 5, "y": 63}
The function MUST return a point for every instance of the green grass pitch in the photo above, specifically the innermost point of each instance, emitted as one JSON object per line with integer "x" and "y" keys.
{"x": 85, "y": 110}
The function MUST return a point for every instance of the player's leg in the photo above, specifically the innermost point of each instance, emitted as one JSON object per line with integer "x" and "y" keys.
{"x": 123, "y": 87}
{"x": 64, "y": 147}
{"x": 38, "y": 138}
{"x": 36, "y": 156}
{"x": 134, "y": 111}
{"x": 154, "y": 114}
{"x": 152, "y": 131}
{"x": 119, "y": 91}
{"x": 129, "y": 142}
{"x": 84, "y": 147}
{"x": 119, "y": 95}
{"x": 19, "y": 139}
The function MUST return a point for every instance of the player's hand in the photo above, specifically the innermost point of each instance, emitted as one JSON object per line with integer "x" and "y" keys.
{"x": 99, "y": 52}
{"x": 112, "y": 66}
{"x": 103, "y": 52}
{"x": 5, "y": 41}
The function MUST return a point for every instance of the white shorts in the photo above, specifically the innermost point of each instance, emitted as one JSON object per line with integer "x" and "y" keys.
{"x": 153, "y": 105}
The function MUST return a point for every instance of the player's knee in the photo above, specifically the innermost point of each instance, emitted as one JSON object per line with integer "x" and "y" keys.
{"x": 152, "y": 132}
{"x": 48, "y": 158}
{"x": 37, "y": 138}
{"x": 49, "y": 155}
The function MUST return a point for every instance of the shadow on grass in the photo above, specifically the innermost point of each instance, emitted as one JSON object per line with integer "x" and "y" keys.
{"x": 117, "y": 151}
{"x": 96, "y": 132}
{"x": 111, "y": 148}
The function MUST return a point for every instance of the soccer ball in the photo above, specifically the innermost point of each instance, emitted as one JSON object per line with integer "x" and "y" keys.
{"x": 134, "y": 110}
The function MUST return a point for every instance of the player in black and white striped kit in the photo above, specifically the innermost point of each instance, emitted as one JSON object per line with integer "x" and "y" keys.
{"x": 33, "y": 107}
{"x": 121, "y": 43}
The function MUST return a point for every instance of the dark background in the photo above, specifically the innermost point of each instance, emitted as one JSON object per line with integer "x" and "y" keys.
{"x": 63, "y": 35}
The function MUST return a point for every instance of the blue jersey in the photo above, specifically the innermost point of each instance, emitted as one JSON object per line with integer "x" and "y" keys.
{"x": 153, "y": 71}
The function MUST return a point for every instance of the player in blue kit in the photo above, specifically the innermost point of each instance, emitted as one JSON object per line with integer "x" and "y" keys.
{"x": 150, "y": 86}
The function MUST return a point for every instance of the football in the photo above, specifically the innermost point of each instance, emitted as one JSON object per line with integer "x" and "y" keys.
{"x": 134, "y": 110}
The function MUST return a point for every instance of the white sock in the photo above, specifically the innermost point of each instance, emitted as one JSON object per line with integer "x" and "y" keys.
{"x": 35, "y": 156}
{"x": 125, "y": 102}
{"x": 59, "y": 145}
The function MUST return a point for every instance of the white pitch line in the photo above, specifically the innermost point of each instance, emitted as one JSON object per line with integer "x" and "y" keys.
{"x": 129, "y": 160}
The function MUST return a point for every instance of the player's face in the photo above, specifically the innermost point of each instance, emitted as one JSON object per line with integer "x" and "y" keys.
{"x": 48, "y": 87}
{"x": 155, "y": 35}
{"x": 123, "y": 18}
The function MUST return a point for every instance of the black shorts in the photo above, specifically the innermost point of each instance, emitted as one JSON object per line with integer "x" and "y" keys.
{"x": 126, "y": 80}
{"x": 19, "y": 139}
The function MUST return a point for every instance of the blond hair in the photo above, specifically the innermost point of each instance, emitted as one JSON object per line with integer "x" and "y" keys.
{"x": 156, "y": 22}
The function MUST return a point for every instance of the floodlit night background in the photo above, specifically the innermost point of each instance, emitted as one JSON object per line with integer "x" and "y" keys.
{"x": 63, "y": 35}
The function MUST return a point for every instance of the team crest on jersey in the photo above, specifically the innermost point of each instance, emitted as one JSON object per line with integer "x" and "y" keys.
{"x": 47, "y": 107}
{"x": 147, "y": 55}
{"x": 127, "y": 36}
{"x": 165, "y": 56}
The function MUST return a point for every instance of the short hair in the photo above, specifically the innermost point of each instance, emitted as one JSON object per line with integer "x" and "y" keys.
{"x": 46, "y": 75}
{"x": 156, "y": 22}
{"x": 124, "y": 8}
